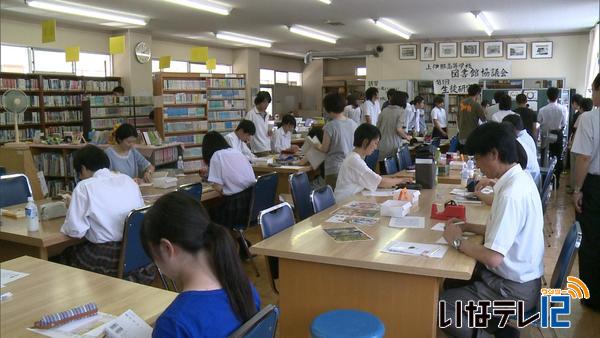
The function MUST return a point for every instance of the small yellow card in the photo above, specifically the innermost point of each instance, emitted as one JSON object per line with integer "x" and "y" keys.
{"x": 164, "y": 62}
{"x": 211, "y": 64}
{"x": 72, "y": 54}
{"x": 199, "y": 54}
{"x": 49, "y": 31}
{"x": 116, "y": 44}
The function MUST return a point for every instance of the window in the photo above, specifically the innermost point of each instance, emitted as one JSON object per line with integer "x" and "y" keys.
{"x": 176, "y": 66}
{"x": 281, "y": 77}
{"x": 267, "y": 76}
{"x": 49, "y": 61}
{"x": 14, "y": 59}
{"x": 270, "y": 91}
{"x": 155, "y": 65}
{"x": 295, "y": 79}
{"x": 223, "y": 69}
{"x": 91, "y": 64}
{"x": 201, "y": 68}
{"x": 361, "y": 71}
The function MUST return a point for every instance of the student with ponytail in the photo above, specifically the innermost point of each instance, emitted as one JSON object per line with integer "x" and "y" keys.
{"x": 217, "y": 296}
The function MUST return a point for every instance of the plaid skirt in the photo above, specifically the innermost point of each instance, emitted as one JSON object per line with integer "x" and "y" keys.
{"x": 103, "y": 258}
{"x": 235, "y": 209}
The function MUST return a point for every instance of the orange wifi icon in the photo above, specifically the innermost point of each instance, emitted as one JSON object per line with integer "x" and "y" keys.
{"x": 576, "y": 288}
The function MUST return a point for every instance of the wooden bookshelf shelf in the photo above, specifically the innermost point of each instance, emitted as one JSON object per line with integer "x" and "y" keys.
{"x": 184, "y": 119}
{"x": 192, "y": 158}
{"x": 173, "y": 133}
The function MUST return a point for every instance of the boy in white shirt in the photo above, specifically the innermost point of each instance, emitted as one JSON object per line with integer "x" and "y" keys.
{"x": 239, "y": 138}
{"x": 372, "y": 107}
{"x": 439, "y": 118}
{"x": 533, "y": 167}
{"x": 260, "y": 143}
{"x": 504, "y": 106}
{"x": 511, "y": 257}
{"x": 282, "y": 137}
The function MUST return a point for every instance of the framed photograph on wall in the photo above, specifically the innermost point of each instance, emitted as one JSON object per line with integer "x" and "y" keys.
{"x": 541, "y": 50}
{"x": 493, "y": 49}
{"x": 447, "y": 49}
{"x": 408, "y": 52}
{"x": 515, "y": 51}
{"x": 469, "y": 49}
{"x": 428, "y": 51}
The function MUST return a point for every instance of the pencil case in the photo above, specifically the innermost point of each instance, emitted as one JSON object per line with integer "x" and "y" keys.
{"x": 61, "y": 318}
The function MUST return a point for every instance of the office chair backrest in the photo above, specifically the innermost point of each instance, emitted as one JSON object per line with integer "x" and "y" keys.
{"x": 549, "y": 174}
{"x": 391, "y": 165}
{"x": 453, "y": 144}
{"x": 566, "y": 257}
{"x": 261, "y": 325}
{"x": 193, "y": 190}
{"x": 546, "y": 198}
{"x": 265, "y": 192}
{"x": 371, "y": 160}
{"x": 275, "y": 219}
{"x": 404, "y": 160}
{"x": 322, "y": 198}
{"x": 133, "y": 255}
{"x": 14, "y": 189}
{"x": 300, "y": 188}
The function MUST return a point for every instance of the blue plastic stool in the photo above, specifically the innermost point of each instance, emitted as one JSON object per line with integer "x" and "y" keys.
{"x": 347, "y": 323}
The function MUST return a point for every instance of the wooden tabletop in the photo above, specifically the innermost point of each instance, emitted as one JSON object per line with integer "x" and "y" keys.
{"x": 306, "y": 241}
{"x": 52, "y": 288}
{"x": 151, "y": 194}
{"x": 284, "y": 169}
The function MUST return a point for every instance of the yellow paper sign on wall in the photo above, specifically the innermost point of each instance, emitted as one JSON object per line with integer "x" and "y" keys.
{"x": 211, "y": 64}
{"x": 72, "y": 54}
{"x": 199, "y": 54}
{"x": 49, "y": 31}
{"x": 164, "y": 62}
{"x": 116, "y": 44}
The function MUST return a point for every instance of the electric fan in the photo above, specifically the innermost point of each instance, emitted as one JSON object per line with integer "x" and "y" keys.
{"x": 15, "y": 101}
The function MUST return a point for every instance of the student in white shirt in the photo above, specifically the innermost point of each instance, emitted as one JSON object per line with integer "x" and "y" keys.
{"x": 355, "y": 176}
{"x": 282, "y": 137}
{"x": 239, "y": 138}
{"x": 533, "y": 167}
{"x": 97, "y": 210}
{"x": 260, "y": 143}
{"x": 372, "y": 107}
{"x": 552, "y": 119}
{"x": 504, "y": 109}
{"x": 494, "y": 108}
{"x": 412, "y": 113}
{"x": 439, "y": 118}
{"x": 352, "y": 110}
{"x": 511, "y": 257}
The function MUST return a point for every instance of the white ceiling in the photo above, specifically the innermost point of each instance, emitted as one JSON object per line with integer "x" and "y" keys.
{"x": 428, "y": 19}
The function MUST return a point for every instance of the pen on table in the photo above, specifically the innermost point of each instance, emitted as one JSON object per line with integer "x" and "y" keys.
{"x": 459, "y": 223}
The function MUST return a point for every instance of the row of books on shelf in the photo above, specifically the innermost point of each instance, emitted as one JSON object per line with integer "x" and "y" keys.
{"x": 143, "y": 121}
{"x": 100, "y": 86}
{"x": 184, "y": 98}
{"x": 184, "y": 84}
{"x": 110, "y": 111}
{"x": 8, "y": 118}
{"x": 174, "y": 112}
{"x": 62, "y": 129}
{"x": 23, "y": 84}
{"x": 226, "y": 83}
{"x": 165, "y": 155}
{"x": 34, "y": 101}
{"x": 56, "y": 187}
{"x": 186, "y": 139}
{"x": 151, "y": 138}
{"x": 110, "y": 100}
{"x": 62, "y": 100}
{"x": 60, "y": 84}
{"x": 55, "y": 164}
{"x": 225, "y": 115}
{"x": 8, "y": 135}
{"x": 226, "y": 94}
{"x": 192, "y": 152}
{"x": 109, "y": 123}
{"x": 185, "y": 126}
{"x": 223, "y": 126}
{"x": 64, "y": 116}
{"x": 192, "y": 165}
{"x": 227, "y": 104}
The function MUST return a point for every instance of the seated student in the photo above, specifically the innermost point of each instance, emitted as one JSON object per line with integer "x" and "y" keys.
{"x": 439, "y": 118}
{"x": 282, "y": 137}
{"x": 337, "y": 136}
{"x": 97, "y": 210}
{"x": 125, "y": 159}
{"x": 533, "y": 167}
{"x": 505, "y": 106}
{"x": 239, "y": 138}
{"x": 355, "y": 176}
{"x": 217, "y": 297}
{"x": 511, "y": 257}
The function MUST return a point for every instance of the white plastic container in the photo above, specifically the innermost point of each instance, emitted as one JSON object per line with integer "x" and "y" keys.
{"x": 395, "y": 208}
{"x": 31, "y": 212}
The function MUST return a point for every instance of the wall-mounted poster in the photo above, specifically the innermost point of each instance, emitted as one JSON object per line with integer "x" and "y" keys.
{"x": 516, "y": 51}
{"x": 408, "y": 52}
{"x": 469, "y": 49}
{"x": 447, "y": 49}
{"x": 428, "y": 51}
{"x": 492, "y": 49}
{"x": 541, "y": 50}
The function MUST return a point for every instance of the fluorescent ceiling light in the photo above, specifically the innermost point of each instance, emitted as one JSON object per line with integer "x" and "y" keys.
{"x": 483, "y": 22}
{"x": 251, "y": 40}
{"x": 203, "y": 5}
{"x": 392, "y": 27}
{"x": 313, "y": 33}
{"x": 326, "y": 1}
{"x": 87, "y": 11}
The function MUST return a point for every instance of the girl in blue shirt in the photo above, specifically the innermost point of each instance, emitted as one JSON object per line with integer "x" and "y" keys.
{"x": 187, "y": 246}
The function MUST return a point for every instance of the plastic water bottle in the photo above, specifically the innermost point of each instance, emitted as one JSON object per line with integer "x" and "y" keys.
{"x": 471, "y": 163}
{"x": 31, "y": 212}
{"x": 180, "y": 163}
{"x": 464, "y": 176}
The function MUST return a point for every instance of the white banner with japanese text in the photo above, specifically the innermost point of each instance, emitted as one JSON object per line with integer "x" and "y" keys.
{"x": 466, "y": 70}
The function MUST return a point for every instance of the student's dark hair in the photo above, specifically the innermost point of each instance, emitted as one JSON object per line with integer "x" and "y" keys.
{"x": 474, "y": 89}
{"x": 418, "y": 99}
{"x": 124, "y": 131}
{"x": 485, "y": 103}
{"x": 398, "y": 99}
{"x": 596, "y": 83}
{"x": 515, "y": 121}
{"x": 211, "y": 143}
{"x": 586, "y": 104}
{"x": 438, "y": 100}
{"x": 577, "y": 99}
{"x": 552, "y": 94}
{"x": 390, "y": 92}
{"x": 372, "y": 91}
{"x": 521, "y": 98}
{"x": 247, "y": 127}
{"x": 182, "y": 220}
{"x": 498, "y": 95}
{"x": 92, "y": 157}
{"x": 288, "y": 119}
{"x": 119, "y": 90}
{"x": 261, "y": 97}
{"x": 365, "y": 132}
{"x": 505, "y": 102}
{"x": 334, "y": 103}
{"x": 318, "y": 132}
{"x": 493, "y": 135}
{"x": 352, "y": 100}
{"x": 521, "y": 155}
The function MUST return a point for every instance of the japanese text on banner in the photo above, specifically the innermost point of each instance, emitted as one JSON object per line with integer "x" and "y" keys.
{"x": 467, "y": 70}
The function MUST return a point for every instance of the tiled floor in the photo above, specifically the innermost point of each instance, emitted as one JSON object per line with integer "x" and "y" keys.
{"x": 560, "y": 215}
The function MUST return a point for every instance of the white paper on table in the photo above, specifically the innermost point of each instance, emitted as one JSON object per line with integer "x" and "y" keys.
{"x": 415, "y": 249}
{"x": 145, "y": 185}
{"x": 293, "y": 167}
{"x": 414, "y": 222}
{"x": 129, "y": 324}
{"x": 85, "y": 327}
{"x": 442, "y": 240}
{"x": 459, "y": 192}
{"x": 442, "y": 227}
{"x": 8, "y": 276}
{"x": 381, "y": 193}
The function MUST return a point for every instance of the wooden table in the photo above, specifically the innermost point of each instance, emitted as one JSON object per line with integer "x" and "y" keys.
{"x": 283, "y": 186}
{"x": 151, "y": 194}
{"x": 453, "y": 178}
{"x": 52, "y": 287}
{"x": 317, "y": 274}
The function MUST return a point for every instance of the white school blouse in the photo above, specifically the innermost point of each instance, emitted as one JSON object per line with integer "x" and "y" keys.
{"x": 501, "y": 114}
{"x": 552, "y": 116}
{"x": 260, "y": 142}
{"x": 234, "y": 141}
{"x": 281, "y": 140}
{"x": 372, "y": 110}
{"x": 439, "y": 114}
{"x": 99, "y": 206}
{"x": 354, "y": 177}
{"x": 533, "y": 167}
{"x": 231, "y": 169}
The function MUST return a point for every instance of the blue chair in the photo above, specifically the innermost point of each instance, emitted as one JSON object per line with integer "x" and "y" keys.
{"x": 371, "y": 160}
{"x": 300, "y": 188}
{"x": 391, "y": 165}
{"x": 548, "y": 174}
{"x": 193, "y": 190}
{"x": 435, "y": 142}
{"x": 14, "y": 189}
{"x": 322, "y": 198}
{"x": 261, "y": 325}
{"x": 272, "y": 221}
{"x": 453, "y": 144}
{"x": 347, "y": 323}
{"x": 404, "y": 159}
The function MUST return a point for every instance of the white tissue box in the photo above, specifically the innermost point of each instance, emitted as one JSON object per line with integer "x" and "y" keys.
{"x": 164, "y": 182}
{"x": 413, "y": 196}
{"x": 395, "y": 208}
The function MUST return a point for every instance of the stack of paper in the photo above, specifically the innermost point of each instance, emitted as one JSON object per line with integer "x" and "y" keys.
{"x": 311, "y": 153}
{"x": 381, "y": 192}
{"x": 415, "y": 249}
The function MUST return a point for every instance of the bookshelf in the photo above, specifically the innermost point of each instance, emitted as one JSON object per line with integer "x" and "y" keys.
{"x": 55, "y": 102}
{"x": 103, "y": 112}
{"x": 193, "y": 104}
